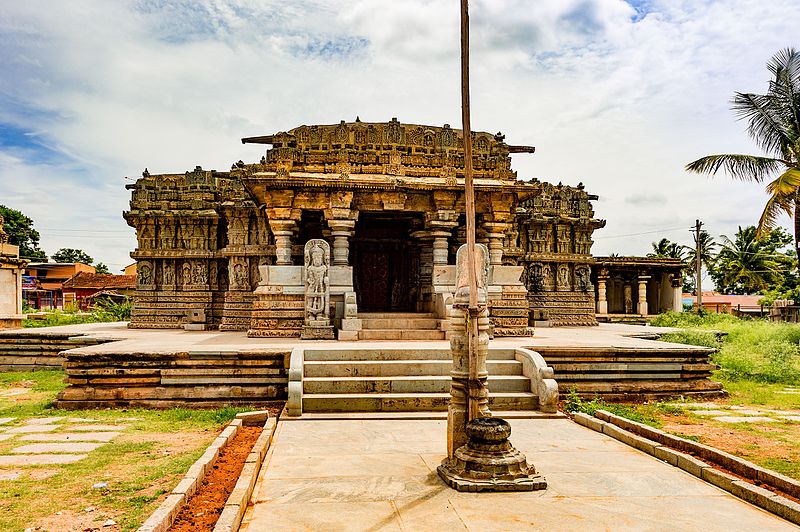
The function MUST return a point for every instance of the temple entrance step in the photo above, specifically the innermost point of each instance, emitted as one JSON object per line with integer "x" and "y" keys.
{"x": 400, "y": 326}
{"x": 378, "y": 354}
{"x": 407, "y": 402}
{"x": 395, "y": 368}
{"x": 406, "y": 384}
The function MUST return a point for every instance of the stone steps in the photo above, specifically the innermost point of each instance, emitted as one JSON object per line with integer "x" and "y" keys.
{"x": 399, "y": 326}
{"x": 407, "y": 402}
{"x": 29, "y": 350}
{"x": 398, "y": 368}
{"x": 331, "y": 355}
{"x": 406, "y": 384}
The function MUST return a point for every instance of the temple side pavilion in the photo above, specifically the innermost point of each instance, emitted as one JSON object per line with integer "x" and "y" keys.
{"x": 225, "y": 249}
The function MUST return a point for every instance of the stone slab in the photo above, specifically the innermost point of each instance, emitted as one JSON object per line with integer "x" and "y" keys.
{"x": 96, "y": 428}
{"x": 31, "y": 429}
{"x": 71, "y": 436}
{"x": 712, "y": 412}
{"x": 10, "y": 475}
{"x": 4, "y": 420}
{"x": 745, "y": 419}
{"x": 4, "y": 437}
{"x": 43, "y": 420}
{"x": 56, "y": 448}
{"x": 40, "y": 459}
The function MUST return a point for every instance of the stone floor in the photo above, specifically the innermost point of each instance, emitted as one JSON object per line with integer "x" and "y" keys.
{"x": 381, "y": 475}
{"x": 50, "y": 441}
{"x": 176, "y": 340}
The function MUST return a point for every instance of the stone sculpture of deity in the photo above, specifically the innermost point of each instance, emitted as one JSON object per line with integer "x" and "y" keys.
{"x": 317, "y": 261}
{"x": 563, "y": 278}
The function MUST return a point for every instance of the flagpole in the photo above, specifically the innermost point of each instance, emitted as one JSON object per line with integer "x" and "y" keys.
{"x": 472, "y": 311}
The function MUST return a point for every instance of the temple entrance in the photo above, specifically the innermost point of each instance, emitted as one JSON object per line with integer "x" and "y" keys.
{"x": 385, "y": 262}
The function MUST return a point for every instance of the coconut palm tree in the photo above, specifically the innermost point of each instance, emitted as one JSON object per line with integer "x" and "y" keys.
{"x": 707, "y": 251}
{"x": 748, "y": 265}
{"x": 774, "y": 124}
{"x": 667, "y": 249}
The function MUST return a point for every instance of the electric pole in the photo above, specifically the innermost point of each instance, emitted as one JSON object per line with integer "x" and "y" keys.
{"x": 698, "y": 266}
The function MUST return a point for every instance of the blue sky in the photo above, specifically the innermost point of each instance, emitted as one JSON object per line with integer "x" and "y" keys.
{"x": 617, "y": 95}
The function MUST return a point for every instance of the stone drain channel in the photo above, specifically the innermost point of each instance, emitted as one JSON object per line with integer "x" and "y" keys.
{"x": 50, "y": 441}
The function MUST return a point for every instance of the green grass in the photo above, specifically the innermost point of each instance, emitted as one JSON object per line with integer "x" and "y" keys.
{"x": 134, "y": 464}
{"x": 104, "y": 311}
{"x": 648, "y": 413}
{"x": 752, "y": 350}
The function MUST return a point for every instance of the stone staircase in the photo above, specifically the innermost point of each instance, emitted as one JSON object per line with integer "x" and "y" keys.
{"x": 403, "y": 380}
{"x": 399, "y": 326}
{"x": 30, "y": 350}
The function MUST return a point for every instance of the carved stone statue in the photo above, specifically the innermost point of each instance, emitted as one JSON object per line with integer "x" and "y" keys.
{"x": 317, "y": 260}
{"x": 168, "y": 276}
{"x": 239, "y": 280}
{"x": 582, "y": 280}
{"x": 563, "y": 278}
{"x": 145, "y": 272}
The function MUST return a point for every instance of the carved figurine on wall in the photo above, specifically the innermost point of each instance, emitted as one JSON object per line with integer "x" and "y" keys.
{"x": 168, "y": 276}
{"x": 563, "y": 278}
{"x": 628, "y": 299}
{"x": 186, "y": 269}
{"x": 547, "y": 277}
{"x": 583, "y": 282}
{"x": 317, "y": 292}
{"x": 145, "y": 273}
{"x": 239, "y": 276}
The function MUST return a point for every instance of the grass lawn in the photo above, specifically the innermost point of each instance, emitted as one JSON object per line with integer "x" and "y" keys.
{"x": 140, "y": 465}
{"x": 759, "y": 368}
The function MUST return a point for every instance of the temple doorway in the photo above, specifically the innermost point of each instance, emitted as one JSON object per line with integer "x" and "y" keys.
{"x": 385, "y": 262}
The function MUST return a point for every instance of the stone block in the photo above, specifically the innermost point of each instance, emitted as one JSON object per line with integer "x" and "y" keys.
{"x": 666, "y": 454}
{"x": 163, "y": 517}
{"x": 719, "y": 478}
{"x": 252, "y": 419}
{"x": 194, "y": 326}
{"x": 77, "y": 447}
{"x": 348, "y": 336}
{"x": 187, "y": 487}
{"x": 230, "y": 518}
{"x": 341, "y": 277}
{"x": 638, "y": 442}
{"x": 588, "y": 421}
{"x": 444, "y": 275}
{"x": 282, "y": 275}
{"x": 505, "y": 275}
{"x": 692, "y": 465}
{"x": 351, "y": 324}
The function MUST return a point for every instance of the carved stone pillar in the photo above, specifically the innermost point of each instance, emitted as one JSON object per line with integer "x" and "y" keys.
{"x": 425, "y": 239}
{"x": 440, "y": 247}
{"x": 462, "y": 388}
{"x": 495, "y": 235}
{"x": 642, "y": 307}
{"x": 341, "y": 231}
{"x": 283, "y": 230}
{"x": 602, "y": 302}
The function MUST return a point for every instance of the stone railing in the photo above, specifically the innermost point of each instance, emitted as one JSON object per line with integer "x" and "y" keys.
{"x": 541, "y": 375}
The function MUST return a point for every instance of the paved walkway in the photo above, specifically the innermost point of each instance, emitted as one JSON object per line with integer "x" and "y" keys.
{"x": 381, "y": 475}
{"x": 178, "y": 340}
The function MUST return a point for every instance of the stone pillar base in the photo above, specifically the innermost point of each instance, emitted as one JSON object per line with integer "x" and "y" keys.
{"x": 317, "y": 332}
{"x": 488, "y": 462}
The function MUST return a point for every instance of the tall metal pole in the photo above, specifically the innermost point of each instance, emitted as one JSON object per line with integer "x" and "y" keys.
{"x": 698, "y": 265}
{"x": 472, "y": 312}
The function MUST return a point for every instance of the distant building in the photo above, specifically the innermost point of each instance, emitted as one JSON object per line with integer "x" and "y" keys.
{"x": 84, "y": 288}
{"x": 639, "y": 287}
{"x": 43, "y": 283}
{"x": 11, "y": 268}
{"x": 130, "y": 269}
{"x": 742, "y": 305}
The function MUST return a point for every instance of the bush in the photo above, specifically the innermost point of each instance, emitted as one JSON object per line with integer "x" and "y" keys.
{"x": 687, "y": 319}
{"x": 692, "y": 337}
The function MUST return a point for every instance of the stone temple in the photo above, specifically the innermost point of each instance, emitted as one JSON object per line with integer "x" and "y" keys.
{"x": 227, "y": 250}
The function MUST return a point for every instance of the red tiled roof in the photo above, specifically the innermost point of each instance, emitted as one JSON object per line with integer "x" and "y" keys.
{"x": 100, "y": 281}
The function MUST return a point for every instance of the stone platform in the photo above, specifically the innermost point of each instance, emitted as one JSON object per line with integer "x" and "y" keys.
{"x": 172, "y": 367}
{"x": 381, "y": 475}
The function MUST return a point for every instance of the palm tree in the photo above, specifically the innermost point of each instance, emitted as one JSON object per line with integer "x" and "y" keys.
{"x": 748, "y": 265}
{"x": 667, "y": 249}
{"x": 707, "y": 250}
{"x": 774, "y": 124}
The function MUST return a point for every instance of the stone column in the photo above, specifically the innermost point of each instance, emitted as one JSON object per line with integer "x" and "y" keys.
{"x": 602, "y": 302}
{"x": 440, "y": 247}
{"x": 462, "y": 387}
{"x": 283, "y": 230}
{"x": 677, "y": 293}
{"x": 495, "y": 235}
{"x": 425, "y": 239}
{"x": 642, "y": 307}
{"x": 341, "y": 231}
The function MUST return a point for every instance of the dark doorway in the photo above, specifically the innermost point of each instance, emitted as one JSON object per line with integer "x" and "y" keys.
{"x": 385, "y": 262}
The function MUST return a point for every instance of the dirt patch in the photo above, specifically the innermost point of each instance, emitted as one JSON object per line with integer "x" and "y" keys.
{"x": 204, "y": 507}
{"x": 168, "y": 443}
{"x": 89, "y": 520}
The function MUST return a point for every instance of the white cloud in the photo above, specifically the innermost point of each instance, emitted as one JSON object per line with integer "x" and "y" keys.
{"x": 617, "y": 99}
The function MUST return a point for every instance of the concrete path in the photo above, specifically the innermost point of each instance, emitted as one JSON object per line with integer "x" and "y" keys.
{"x": 381, "y": 475}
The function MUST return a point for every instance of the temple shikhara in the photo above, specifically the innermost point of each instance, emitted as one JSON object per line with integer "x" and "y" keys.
{"x": 383, "y": 206}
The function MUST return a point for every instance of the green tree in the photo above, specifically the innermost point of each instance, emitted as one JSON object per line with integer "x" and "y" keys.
{"x": 707, "y": 250}
{"x": 72, "y": 255}
{"x": 101, "y": 268}
{"x": 749, "y": 265}
{"x": 774, "y": 124}
{"x": 21, "y": 233}
{"x": 667, "y": 249}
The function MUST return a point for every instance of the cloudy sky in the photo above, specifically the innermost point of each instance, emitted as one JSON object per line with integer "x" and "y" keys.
{"x": 616, "y": 94}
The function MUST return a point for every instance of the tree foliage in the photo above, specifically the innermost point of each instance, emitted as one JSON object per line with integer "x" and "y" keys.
{"x": 748, "y": 265}
{"x": 773, "y": 122}
{"x": 72, "y": 255}
{"x": 101, "y": 268}
{"x": 21, "y": 233}
{"x": 667, "y": 249}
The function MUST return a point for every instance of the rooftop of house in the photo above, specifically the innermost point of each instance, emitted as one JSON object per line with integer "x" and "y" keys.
{"x": 101, "y": 281}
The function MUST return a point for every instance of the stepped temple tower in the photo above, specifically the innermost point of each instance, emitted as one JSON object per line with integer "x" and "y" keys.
{"x": 226, "y": 249}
